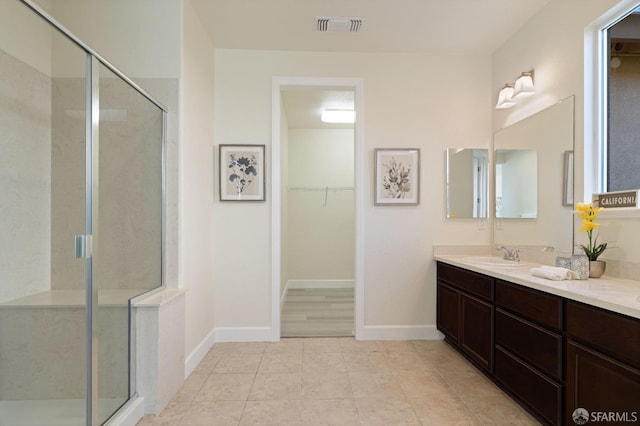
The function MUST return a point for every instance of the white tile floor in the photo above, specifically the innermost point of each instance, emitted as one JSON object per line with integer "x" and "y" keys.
{"x": 338, "y": 381}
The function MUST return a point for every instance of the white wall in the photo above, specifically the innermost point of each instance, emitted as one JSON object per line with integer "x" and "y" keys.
{"x": 197, "y": 236}
{"x": 425, "y": 101}
{"x": 24, "y": 35}
{"x": 321, "y": 157}
{"x": 141, "y": 38}
{"x": 321, "y": 224}
{"x": 553, "y": 42}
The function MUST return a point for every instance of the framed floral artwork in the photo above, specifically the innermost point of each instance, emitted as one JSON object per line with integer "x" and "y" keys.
{"x": 242, "y": 173}
{"x": 397, "y": 177}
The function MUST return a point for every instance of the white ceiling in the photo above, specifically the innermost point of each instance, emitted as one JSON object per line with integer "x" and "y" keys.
{"x": 454, "y": 26}
{"x": 475, "y": 27}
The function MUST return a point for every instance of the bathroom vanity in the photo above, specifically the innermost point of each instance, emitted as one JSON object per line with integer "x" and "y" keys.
{"x": 554, "y": 346}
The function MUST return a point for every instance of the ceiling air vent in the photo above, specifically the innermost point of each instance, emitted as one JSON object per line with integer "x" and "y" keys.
{"x": 332, "y": 24}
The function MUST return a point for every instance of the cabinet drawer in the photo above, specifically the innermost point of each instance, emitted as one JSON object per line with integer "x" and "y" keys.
{"x": 543, "y": 395}
{"x": 535, "y": 306}
{"x": 472, "y": 282}
{"x": 535, "y": 345}
{"x": 613, "y": 334}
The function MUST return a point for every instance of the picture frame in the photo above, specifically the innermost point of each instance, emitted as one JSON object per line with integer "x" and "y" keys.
{"x": 396, "y": 176}
{"x": 567, "y": 181}
{"x": 242, "y": 174}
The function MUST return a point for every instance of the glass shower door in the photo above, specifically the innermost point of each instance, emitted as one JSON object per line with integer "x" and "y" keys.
{"x": 81, "y": 194}
{"x": 43, "y": 206}
{"x": 128, "y": 230}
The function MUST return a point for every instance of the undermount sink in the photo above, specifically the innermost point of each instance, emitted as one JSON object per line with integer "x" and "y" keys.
{"x": 493, "y": 261}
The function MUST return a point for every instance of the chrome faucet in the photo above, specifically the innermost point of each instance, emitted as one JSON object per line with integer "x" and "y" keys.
{"x": 509, "y": 253}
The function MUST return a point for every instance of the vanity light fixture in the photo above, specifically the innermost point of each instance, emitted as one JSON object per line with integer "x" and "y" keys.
{"x": 524, "y": 86}
{"x": 338, "y": 116}
{"x": 512, "y": 93}
{"x": 505, "y": 97}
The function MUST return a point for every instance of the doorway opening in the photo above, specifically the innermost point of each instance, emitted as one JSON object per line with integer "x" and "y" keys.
{"x": 316, "y": 249}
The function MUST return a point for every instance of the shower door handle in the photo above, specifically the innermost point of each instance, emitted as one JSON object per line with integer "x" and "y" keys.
{"x": 84, "y": 247}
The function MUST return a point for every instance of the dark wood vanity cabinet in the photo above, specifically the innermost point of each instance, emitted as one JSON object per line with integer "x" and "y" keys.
{"x": 465, "y": 312}
{"x": 448, "y": 316}
{"x": 529, "y": 348}
{"x": 551, "y": 353}
{"x": 476, "y": 330}
{"x": 603, "y": 362}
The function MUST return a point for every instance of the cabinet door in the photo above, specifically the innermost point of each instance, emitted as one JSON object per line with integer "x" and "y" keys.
{"x": 476, "y": 331}
{"x": 448, "y": 312}
{"x": 598, "y": 383}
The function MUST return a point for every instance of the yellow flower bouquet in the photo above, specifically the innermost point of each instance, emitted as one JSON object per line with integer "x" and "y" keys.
{"x": 588, "y": 213}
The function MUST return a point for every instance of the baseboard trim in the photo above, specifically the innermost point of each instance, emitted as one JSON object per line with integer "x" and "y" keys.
{"x": 320, "y": 284}
{"x": 130, "y": 414}
{"x": 198, "y": 354}
{"x": 225, "y": 334}
{"x": 265, "y": 334}
{"x": 400, "y": 332}
{"x": 244, "y": 334}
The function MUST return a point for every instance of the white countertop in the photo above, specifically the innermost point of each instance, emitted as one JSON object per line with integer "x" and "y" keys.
{"x": 614, "y": 294}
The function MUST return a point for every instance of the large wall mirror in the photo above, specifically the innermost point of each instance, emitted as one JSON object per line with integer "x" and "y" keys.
{"x": 530, "y": 179}
{"x": 516, "y": 169}
{"x": 467, "y": 183}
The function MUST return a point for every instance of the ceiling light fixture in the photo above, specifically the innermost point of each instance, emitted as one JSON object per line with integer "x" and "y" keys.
{"x": 338, "y": 116}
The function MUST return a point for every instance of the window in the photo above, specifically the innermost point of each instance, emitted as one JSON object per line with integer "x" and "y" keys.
{"x": 621, "y": 138}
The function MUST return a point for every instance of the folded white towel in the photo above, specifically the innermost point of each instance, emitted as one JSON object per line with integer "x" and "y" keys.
{"x": 570, "y": 275}
{"x": 554, "y": 273}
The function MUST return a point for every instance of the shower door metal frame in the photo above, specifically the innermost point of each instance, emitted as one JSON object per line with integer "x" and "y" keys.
{"x": 92, "y": 172}
{"x": 94, "y": 60}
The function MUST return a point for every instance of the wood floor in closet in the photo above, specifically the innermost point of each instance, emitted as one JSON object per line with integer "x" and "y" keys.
{"x": 313, "y": 312}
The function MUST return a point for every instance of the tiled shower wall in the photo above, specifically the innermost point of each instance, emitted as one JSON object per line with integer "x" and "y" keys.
{"x": 42, "y": 195}
{"x": 25, "y": 179}
{"x": 128, "y": 239}
{"x": 42, "y": 206}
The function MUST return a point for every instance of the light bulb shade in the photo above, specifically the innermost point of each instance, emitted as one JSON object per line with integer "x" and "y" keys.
{"x": 338, "y": 116}
{"x": 505, "y": 97}
{"x": 524, "y": 86}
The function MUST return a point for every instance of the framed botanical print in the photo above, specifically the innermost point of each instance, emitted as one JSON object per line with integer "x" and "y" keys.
{"x": 242, "y": 176}
{"x": 397, "y": 177}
